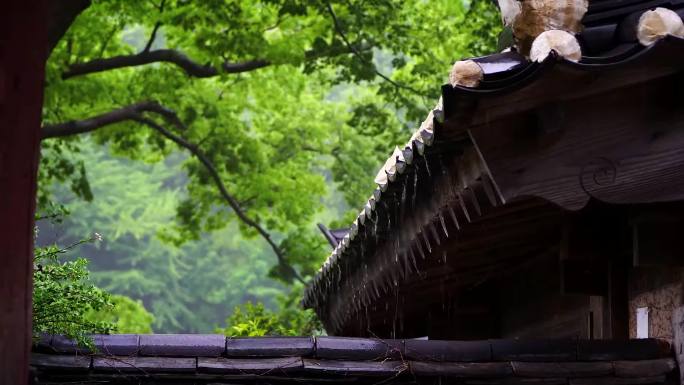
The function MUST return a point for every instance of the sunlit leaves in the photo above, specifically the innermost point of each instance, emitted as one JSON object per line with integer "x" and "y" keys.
{"x": 275, "y": 134}
{"x": 63, "y": 297}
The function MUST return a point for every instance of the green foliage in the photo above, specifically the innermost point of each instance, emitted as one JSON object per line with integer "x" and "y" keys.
{"x": 187, "y": 287}
{"x": 254, "y": 320}
{"x": 126, "y": 315}
{"x": 63, "y": 297}
{"x": 296, "y": 142}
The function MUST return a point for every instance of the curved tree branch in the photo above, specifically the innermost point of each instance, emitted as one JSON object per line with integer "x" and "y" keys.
{"x": 353, "y": 50}
{"x": 158, "y": 24}
{"x": 129, "y": 112}
{"x": 172, "y": 56}
{"x": 135, "y": 112}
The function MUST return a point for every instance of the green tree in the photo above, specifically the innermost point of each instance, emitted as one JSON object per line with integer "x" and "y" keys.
{"x": 126, "y": 315}
{"x": 254, "y": 320}
{"x": 262, "y": 96}
{"x": 189, "y": 287}
{"x": 63, "y": 296}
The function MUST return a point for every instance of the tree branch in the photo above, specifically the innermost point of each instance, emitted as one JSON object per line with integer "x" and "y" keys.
{"x": 158, "y": 24}
{"x": 353, "y": 50}
{"x": 191, "y": 67}
{"x": 118, "y": 115}
{"x": 134, "y": 112}
{"x": 172, "y": 56}
{"x": 153, "y": 36}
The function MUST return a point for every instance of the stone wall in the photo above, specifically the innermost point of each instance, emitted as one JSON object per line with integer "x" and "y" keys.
{"x": 661, "y": 290}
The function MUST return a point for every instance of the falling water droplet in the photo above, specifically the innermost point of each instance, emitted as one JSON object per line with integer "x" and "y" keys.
{"x": 444, "y": 257}
{"x": 413, "y": 261}
{"x": 427, "y": 166}
{"x": 441, "y": 292}
{"x": 441, "y": 164}
{"x": 434, "y": 233}
{"x": 420, "y": 249}
{"x": 452, "y": 213}
{"x": 427, "y": 241}
{"x": 415, "y": 187}
{"x": 403, "y": 197}
{"x": 444, "y": 228}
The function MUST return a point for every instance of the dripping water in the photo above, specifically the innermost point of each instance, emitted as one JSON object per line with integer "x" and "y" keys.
{"x": 444, "y": 228}
{"x": 427, "y": 166}
{"x": 375, "y": 229}
{"x": 413, "y": 261}
{"x": 441, "y": 292}
{"x": 415, "y": 188}
{"x": 403, "y": 197}
{"x": 434, "y": 233}
{"x": 441, "y": 164}
{"x": 427, "y": 241}
{"x": 420, "y": 249}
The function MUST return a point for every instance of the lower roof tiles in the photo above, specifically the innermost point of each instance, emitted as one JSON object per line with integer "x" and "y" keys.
{"x": 207, "y": 359}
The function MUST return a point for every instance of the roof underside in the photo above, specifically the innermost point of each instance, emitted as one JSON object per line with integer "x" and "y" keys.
{"x": 203, "y": 359}
{"x": 411, "y": 214}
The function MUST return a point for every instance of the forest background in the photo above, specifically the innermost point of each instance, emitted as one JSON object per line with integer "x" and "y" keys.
{"x": 191, "y": 147}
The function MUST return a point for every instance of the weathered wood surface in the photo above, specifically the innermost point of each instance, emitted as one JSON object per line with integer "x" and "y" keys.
{"x": 625, "y": 146}
{"x": 551, "y": 350}
{"x": 619, "y": 381}
{"x": 518, "y": 381}
{"x": 349, "y": 348}
{"x": 363, "y": 360}
{"x": 612, "y": 350}
{"x": 60, "y": 362}
{"x": 270, "y": 347}
{"x": 117, "y": 345}
{"x": 461, "y": 370}
{"x": 23, "y": 51}
{"x": 359, "y": 368}
{"x": 206, "y": 345}
{"x": 678, "y": 343}
{"x": 562, "y": 369}
{"x": 249, "y": 366}
{"x": 657, "y": 239}
{"x": 645, "y": 368}
{"x": 454, "y": 351}
{"x": 144, "y": 365}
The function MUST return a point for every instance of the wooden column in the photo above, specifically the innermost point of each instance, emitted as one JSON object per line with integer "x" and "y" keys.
{"x": 678, "y": 343}
{"x": 23, "y": 51}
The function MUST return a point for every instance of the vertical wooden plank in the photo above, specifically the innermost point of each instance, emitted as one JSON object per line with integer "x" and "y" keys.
{"x": 618, "y": 299}
{"x": 23, "y": 51}
{"x": 678, "y": 343}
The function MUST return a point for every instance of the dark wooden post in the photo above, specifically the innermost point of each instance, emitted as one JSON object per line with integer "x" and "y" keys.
{"x": 678, "y": 343}
{"x": 23, "y": 51}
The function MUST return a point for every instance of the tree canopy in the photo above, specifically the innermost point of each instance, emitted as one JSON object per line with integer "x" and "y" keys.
{"x": 265, "y": 110}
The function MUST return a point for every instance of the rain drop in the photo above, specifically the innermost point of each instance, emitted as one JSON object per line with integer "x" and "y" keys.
{"x": 444, "y": 228}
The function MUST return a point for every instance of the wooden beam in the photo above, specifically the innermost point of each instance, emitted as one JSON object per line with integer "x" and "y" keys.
{"x": 23, "y": 51}
{"x": 621, "y": 147}
{"x": 657, "y": 239}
